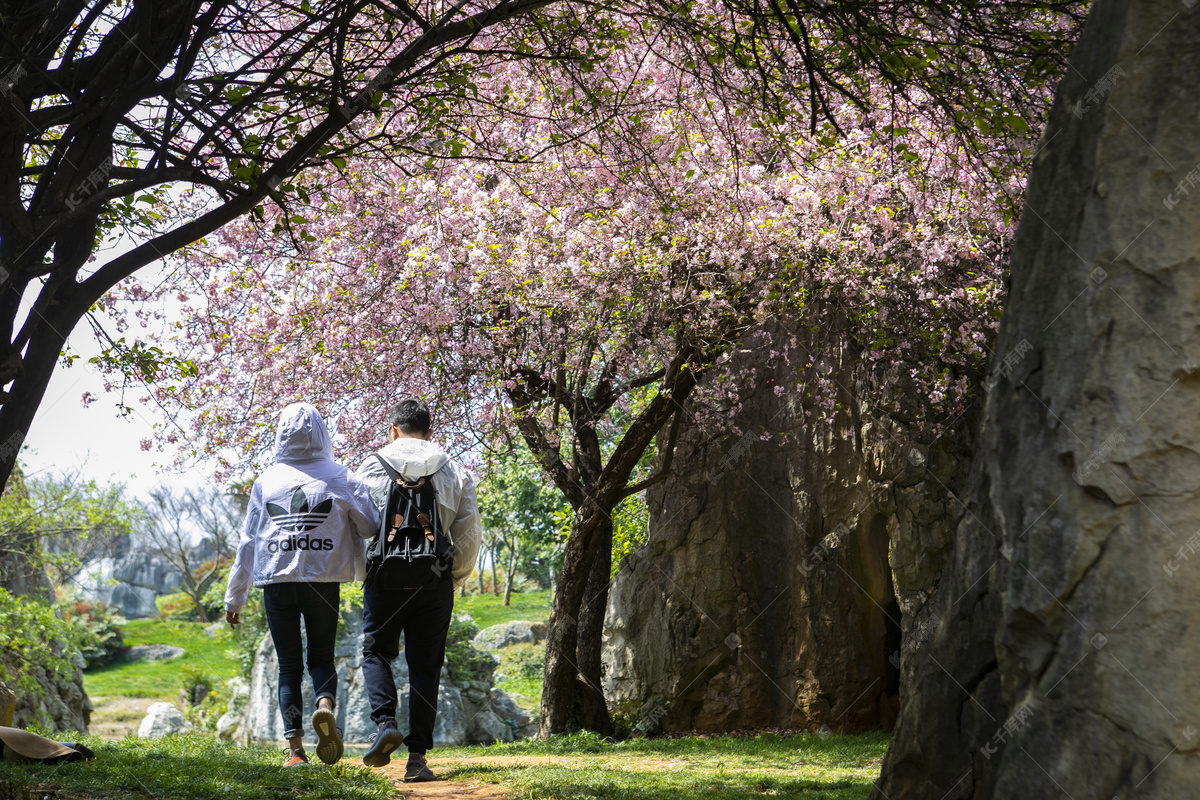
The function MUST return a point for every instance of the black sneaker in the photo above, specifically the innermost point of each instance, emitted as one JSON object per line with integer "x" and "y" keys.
{"x": 383, "y": 742}
{"x": 417, "y": 771}
{"x": 329, "y": 737}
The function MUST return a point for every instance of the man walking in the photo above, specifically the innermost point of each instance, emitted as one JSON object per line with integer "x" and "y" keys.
{"x": 422, "y": 614}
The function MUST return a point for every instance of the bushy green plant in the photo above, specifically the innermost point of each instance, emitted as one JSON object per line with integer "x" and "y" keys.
{"x": 195, "y": 682}
{"x": 32, "y": 634}
{"x": 249, "y": 633}
{"x": 100, "y": 628}
{"x": 176, "y": 606}
{"x": 463, "y": 661}
{"x": 527, "y": 662}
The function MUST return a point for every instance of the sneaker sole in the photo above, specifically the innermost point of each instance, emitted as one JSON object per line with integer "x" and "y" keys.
{"x": 329, "y": 743}
{"x": 381, "y": 751}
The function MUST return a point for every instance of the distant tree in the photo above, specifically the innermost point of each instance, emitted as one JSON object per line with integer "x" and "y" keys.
{"x": 195, "y": 531}
{"x": 58, "y": 523}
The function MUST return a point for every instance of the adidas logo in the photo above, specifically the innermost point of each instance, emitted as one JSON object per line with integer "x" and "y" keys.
{"x": 300, "y": 518}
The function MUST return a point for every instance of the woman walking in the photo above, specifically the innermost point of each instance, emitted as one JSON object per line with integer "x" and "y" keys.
{"x": 304, "y": 536}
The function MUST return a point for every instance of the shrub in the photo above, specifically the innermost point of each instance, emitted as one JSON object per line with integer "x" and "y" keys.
{"x": 463, "y": 661}
{"x": 195, "y": 683}
{"x": 100, "y": 630}
{"x": 176, "y": 606}
{"x": 249, "y": 633}
{"x": 32, "y": 634}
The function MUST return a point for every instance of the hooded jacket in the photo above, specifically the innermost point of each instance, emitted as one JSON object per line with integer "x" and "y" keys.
{"x": 308, "y": 517}
{"x": 455, "y": 488}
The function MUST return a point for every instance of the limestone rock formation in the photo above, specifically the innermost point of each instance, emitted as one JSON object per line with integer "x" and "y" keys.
{"x": 162, "y": 719}
{"x": 129, "y": 583}
{"x": 471, "y": 712}
{"x": 1072, "y": 598}
{"x": 765, "y": 596}
{"x": 508, "y": 633}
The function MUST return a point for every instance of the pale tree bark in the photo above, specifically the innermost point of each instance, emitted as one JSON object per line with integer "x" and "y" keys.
{"x": 1063, "y": 666}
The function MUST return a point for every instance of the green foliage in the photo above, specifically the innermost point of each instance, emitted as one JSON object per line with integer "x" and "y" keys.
{"x": 215, "y": 656}
{"x": 250, "y": 632}
{"x": 57, "y": 522}
{"x": 32, "y": 635}
{"x": 631, "y": 525}
{"x": 521, "y": 505}
{"x": 790, "y": 766}
{"x": 463, "y": 661}
{"x": 195, "y": 682}
{"x": 524, "y": 665}
{"x": 187, "y": 767}
{"x": 177, "y": 606}
{"x": 100, "y": 627}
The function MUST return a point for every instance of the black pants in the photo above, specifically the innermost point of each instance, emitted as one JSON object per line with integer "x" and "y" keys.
{"x": 423, "y": 615}
{"x": 317, "y": 603}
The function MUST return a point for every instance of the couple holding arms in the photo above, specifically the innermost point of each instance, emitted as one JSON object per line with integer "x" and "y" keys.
{"x": 307, "y": 526}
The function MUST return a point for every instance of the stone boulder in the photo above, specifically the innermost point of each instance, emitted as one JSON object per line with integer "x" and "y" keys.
{"x": 460, "y": 705}
{"x": 154, "y": 652}
{"x": 509, "y": 633}
{"x": 786, "y": 576}
{"x": 163, "y": 719}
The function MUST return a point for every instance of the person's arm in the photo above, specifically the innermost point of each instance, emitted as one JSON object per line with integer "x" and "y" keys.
{"x": 241, "y": 574}
{"x": 467, "y": 532}
{"x": 364, "y": 513}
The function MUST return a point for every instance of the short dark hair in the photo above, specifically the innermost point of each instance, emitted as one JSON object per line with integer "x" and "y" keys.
{"x": 411, "y": 416}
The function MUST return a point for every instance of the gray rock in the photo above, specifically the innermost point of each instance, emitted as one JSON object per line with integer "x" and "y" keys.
{"x": 450, "y": 727}
{"x": 488, "y": 728}
{"x": 1070, "y": 606}
{"x": 162, "y": 719}
{"x": 154, "y": 652}
{"x": 212, "y": 630}
{"x": 227, "y": 725}
{"x": 765, "y": 596}
{"x": 130, "y": 583}
{"x": 506, "y": 634}
{"x": 505, "y": 707}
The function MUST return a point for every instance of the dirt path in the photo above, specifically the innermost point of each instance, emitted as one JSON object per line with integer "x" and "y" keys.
{"x": 114, "y": 718}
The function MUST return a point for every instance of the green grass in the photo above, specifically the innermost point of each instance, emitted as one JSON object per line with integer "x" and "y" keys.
{"x": 188, "y": 767}
{"x": 488, "y": 610}
{"x": 724, "y": 767}
{"x": 519, "y": 662}
{"x": 161, "y": 678}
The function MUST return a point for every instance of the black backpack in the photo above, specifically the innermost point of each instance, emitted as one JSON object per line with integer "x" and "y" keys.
{"x": 411, "y": 550}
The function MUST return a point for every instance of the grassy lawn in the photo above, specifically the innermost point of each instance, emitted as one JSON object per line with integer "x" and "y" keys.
{"x": 777, "y": 765}
{"x": 161, "y": 678}
{"x": 189, "y": 767}
{"x": 488, "y": 610}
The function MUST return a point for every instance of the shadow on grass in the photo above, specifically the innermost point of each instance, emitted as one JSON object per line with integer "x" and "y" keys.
{"x": 192, "y": 766}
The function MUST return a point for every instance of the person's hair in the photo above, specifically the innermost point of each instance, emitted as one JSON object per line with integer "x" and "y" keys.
{"x": 411, "y": 416}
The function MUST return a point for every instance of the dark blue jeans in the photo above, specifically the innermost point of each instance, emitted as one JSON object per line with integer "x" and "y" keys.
{"x": 318, "y": 604}
{"x": 423, "y": 616}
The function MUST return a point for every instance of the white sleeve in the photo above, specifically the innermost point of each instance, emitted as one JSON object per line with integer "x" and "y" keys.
{"x": 467, "y": 532}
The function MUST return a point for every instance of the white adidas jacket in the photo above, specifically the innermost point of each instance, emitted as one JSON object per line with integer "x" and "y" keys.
{"x": 308, "y": 518}
{"x": 455, "y": 488}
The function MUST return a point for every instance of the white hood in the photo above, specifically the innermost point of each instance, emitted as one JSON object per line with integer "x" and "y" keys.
{"x": 414, "y": 458}
{"x": 301, "y": 436}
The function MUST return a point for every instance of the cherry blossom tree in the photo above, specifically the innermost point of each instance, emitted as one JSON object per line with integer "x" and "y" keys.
{"x": 580, "y": 286}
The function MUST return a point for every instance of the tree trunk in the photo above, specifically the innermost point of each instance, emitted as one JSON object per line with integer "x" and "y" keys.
{"x": 479, "y": 571}
{"x": 593, "y": 710}
{"x": 25, "y": 395}
{"x": 495, "y": 578}
{"x": 561, "y": 684}
{"x": 508, "y": 575}
{"x": 1070, "y": 604}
